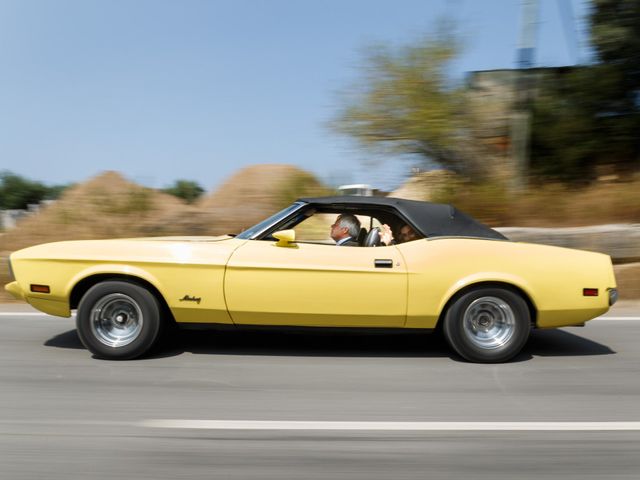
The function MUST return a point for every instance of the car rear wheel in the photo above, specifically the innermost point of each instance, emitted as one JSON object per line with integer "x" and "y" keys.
{"x": 488, "y": 325}
{"x": 118, "y": 320}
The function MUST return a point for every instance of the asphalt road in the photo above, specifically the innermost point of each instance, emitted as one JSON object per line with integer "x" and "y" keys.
{"x": 65, "y": 415}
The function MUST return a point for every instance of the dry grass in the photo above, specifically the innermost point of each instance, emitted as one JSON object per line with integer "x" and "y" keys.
{"x": 4, "y": 279}
{"x": 549, "y": 205}
{"x": 628, "y": 279}
{"x": 557, "y": 205}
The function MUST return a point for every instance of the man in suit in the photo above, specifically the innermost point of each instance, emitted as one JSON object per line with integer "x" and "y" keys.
{"x": 345, "y": 229}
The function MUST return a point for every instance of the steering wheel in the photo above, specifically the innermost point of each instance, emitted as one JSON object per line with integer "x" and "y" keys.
{"x": 373, "y": 238}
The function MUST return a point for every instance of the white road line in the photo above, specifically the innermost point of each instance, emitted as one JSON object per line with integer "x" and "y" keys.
{"x": 389, "y": 426}
{"x": 617, "y": 319}
{"x": 30, "y": 314}
{"x": 22, "y": 314}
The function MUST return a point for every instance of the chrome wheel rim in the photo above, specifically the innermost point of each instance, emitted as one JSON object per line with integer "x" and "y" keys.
{"x": 116, "y": 320}
{"x": 489, "y": 322}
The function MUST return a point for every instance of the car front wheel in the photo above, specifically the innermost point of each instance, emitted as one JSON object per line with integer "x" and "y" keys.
{"x": 488, "y": 325}
{"x": 118, "y": 320}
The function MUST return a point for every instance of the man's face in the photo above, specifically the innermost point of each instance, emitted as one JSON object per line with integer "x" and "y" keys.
{"x": 338, "y": 232}
{"x": 407, "y": 234}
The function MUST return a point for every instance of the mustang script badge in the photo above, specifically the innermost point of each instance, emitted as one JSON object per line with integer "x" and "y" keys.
{"x": 187, "y": 298}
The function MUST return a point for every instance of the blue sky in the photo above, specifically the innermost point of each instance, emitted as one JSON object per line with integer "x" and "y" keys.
{"x": 196, "y": 89}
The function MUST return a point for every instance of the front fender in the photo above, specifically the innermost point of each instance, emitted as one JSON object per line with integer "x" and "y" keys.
{"x": 111, "y": 269}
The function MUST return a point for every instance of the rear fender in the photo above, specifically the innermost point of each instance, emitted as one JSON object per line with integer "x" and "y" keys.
{"x": 486, "y": 278}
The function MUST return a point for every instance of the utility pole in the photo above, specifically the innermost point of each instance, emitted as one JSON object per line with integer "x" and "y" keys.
{"x": 521, "y": 119}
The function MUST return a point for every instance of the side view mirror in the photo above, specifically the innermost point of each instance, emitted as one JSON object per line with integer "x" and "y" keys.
{"x": 286, "y": 238}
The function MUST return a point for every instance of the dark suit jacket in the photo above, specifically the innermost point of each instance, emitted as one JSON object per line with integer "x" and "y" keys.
{"x": 349, "y": 243}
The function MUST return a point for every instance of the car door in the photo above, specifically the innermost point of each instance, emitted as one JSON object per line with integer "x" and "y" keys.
{"x": 310, "y": 284}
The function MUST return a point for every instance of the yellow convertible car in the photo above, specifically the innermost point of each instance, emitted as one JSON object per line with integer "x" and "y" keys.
{"x": 443, "y": 270}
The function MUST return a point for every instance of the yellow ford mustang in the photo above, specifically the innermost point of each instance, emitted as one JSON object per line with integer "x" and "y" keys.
{"x": 484, "y": 291}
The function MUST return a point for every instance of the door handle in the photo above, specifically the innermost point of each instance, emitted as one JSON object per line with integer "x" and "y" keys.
{"x": 383, "y": 263}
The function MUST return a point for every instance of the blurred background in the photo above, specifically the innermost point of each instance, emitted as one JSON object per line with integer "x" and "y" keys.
{"x": 194, "y": 118}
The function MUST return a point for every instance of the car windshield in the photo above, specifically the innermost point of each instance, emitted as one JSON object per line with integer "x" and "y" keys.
{"x": 265, "y": 224}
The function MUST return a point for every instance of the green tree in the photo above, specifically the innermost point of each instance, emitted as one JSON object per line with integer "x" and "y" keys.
{"x": 187, "y": 190}
{"x": 54, "y": 192}
{"x": 589, "y": 115}
{"x": 405, "y": 103}
{"x": 615, "y": 34}
{"x": 17, "y": 192}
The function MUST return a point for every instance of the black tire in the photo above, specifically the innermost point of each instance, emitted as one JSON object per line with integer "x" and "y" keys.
{"x": 488, "y": 325}
{"x": 118, "y": 320}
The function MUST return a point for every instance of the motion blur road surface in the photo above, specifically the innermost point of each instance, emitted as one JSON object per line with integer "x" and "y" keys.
{"x": 65, "y": 415}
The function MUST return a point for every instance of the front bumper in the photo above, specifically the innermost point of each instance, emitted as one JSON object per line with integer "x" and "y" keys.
{"x": 613, "y": 296}
{"x": 46, "y": 305}
{"x": 14, "y": 289}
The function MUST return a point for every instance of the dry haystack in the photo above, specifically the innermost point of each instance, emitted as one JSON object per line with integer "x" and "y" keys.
{"x": 254, "y": 193}
{"x": 106, "y": 206}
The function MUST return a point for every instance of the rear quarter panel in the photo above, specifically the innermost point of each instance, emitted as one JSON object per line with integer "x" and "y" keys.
{"x": 552, "y": 277}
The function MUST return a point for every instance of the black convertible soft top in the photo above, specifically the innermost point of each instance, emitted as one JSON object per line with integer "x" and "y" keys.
{"x": 430, "y": 219}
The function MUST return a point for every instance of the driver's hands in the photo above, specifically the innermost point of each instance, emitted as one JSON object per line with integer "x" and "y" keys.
{"x": 386, "y": 236}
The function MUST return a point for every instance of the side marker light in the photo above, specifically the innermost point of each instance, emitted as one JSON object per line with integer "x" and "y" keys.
{"x": 40, "y": 288}
{"x": 590, "y": 292}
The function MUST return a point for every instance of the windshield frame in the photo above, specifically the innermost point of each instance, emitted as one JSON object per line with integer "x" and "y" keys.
{"x": 258, "y": 229}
